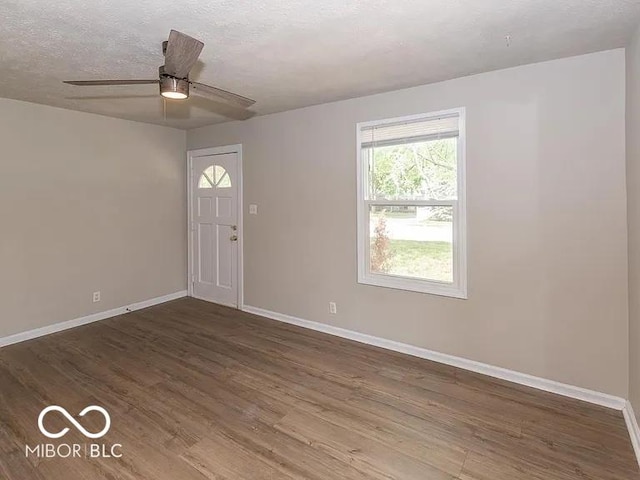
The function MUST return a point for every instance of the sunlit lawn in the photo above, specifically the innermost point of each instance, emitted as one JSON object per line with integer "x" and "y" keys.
{"x": 413, "y": 258}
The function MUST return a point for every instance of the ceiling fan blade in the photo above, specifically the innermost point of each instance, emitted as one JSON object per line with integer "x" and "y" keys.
{"x": 181, "y": 54}
{"x": 234, "y": 114}
{"x": 218, "y": 107}
{"x": 88, "y": 83}
{"x": 111, "y": 97}
{"x": 219, "y": 94}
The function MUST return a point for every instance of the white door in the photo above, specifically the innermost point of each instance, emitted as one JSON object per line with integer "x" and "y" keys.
{"x": 214, "y": 227}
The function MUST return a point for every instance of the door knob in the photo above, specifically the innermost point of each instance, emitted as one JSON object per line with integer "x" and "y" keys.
{"x": 233, "y": 238}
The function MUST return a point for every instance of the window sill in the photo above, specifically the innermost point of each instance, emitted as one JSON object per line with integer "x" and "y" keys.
{"x": 414, "y": 285}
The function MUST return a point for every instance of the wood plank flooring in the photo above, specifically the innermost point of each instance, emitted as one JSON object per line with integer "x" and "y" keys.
{"x": 197, "y": 391}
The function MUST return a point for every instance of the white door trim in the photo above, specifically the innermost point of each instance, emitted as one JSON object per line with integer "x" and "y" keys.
{"x": 191, "y": 154}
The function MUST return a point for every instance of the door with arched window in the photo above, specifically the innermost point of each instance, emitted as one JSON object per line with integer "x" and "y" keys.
{"x": 214, "y": 226}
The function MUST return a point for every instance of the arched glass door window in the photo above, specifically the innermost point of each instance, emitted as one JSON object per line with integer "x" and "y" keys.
{"x": 214, "y": 176}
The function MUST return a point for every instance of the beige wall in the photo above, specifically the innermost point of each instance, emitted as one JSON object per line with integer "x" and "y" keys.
{"x": 86, "y": 203}
{"x": 633, "y": 194}
{"x": 546, "y": 220}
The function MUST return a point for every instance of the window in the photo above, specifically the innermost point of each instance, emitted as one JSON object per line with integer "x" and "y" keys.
{"x": 214, "y": 176}
{"x": 411, "y": 203}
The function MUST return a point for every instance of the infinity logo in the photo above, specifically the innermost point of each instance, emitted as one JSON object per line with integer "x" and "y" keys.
{"x": 64, "y": 431}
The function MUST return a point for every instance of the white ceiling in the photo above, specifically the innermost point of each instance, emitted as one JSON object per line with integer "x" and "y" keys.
{"x": 284, "y": 54}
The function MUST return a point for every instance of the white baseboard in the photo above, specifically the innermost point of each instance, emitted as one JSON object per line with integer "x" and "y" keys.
{"x": 552, "y": 386}
{"x": 634, "y": 430}
{"x": 57, "y": 327}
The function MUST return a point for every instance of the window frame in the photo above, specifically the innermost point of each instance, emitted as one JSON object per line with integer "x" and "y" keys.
{"x": 457, "y": 289}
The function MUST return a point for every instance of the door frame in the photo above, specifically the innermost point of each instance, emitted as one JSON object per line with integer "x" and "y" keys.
{"x": 202, "y": 152}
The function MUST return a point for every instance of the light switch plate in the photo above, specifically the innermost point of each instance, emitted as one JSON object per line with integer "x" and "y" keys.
{"x": 253, "y": 209}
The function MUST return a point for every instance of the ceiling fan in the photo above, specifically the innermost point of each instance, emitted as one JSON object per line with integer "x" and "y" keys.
{"x": 180, "y": 55}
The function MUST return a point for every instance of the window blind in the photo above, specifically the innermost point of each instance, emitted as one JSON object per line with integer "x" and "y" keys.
{"x": 413, "y": 131}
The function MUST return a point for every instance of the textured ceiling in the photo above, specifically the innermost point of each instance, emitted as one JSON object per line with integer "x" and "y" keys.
{"x": 284, "y": 54}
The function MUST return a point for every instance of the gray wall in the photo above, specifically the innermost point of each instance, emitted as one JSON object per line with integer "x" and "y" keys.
{"x": 546, "y": 219}
{"x": 633, "y": 194}
{"x": 87, "y": 203}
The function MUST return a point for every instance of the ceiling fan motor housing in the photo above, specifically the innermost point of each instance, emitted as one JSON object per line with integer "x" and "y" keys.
{"x": 172, "y": 87}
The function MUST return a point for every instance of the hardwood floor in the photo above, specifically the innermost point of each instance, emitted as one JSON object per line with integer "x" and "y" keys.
{"x": 197, "y": 391}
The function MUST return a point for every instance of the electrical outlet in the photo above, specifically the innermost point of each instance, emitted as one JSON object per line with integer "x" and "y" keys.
{"x": 96, "y": 297}
{"x": 253, "y": 209}
{"x": 332, "y": 307}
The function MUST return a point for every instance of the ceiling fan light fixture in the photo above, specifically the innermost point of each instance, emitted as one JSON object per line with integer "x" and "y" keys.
{"x": 174, "y": 88}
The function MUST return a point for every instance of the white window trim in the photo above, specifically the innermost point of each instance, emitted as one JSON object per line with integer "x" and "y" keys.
{"x": 457, "y": 289}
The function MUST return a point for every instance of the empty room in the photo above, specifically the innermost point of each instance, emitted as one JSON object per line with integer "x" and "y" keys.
{"x": 320, "y": 240}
